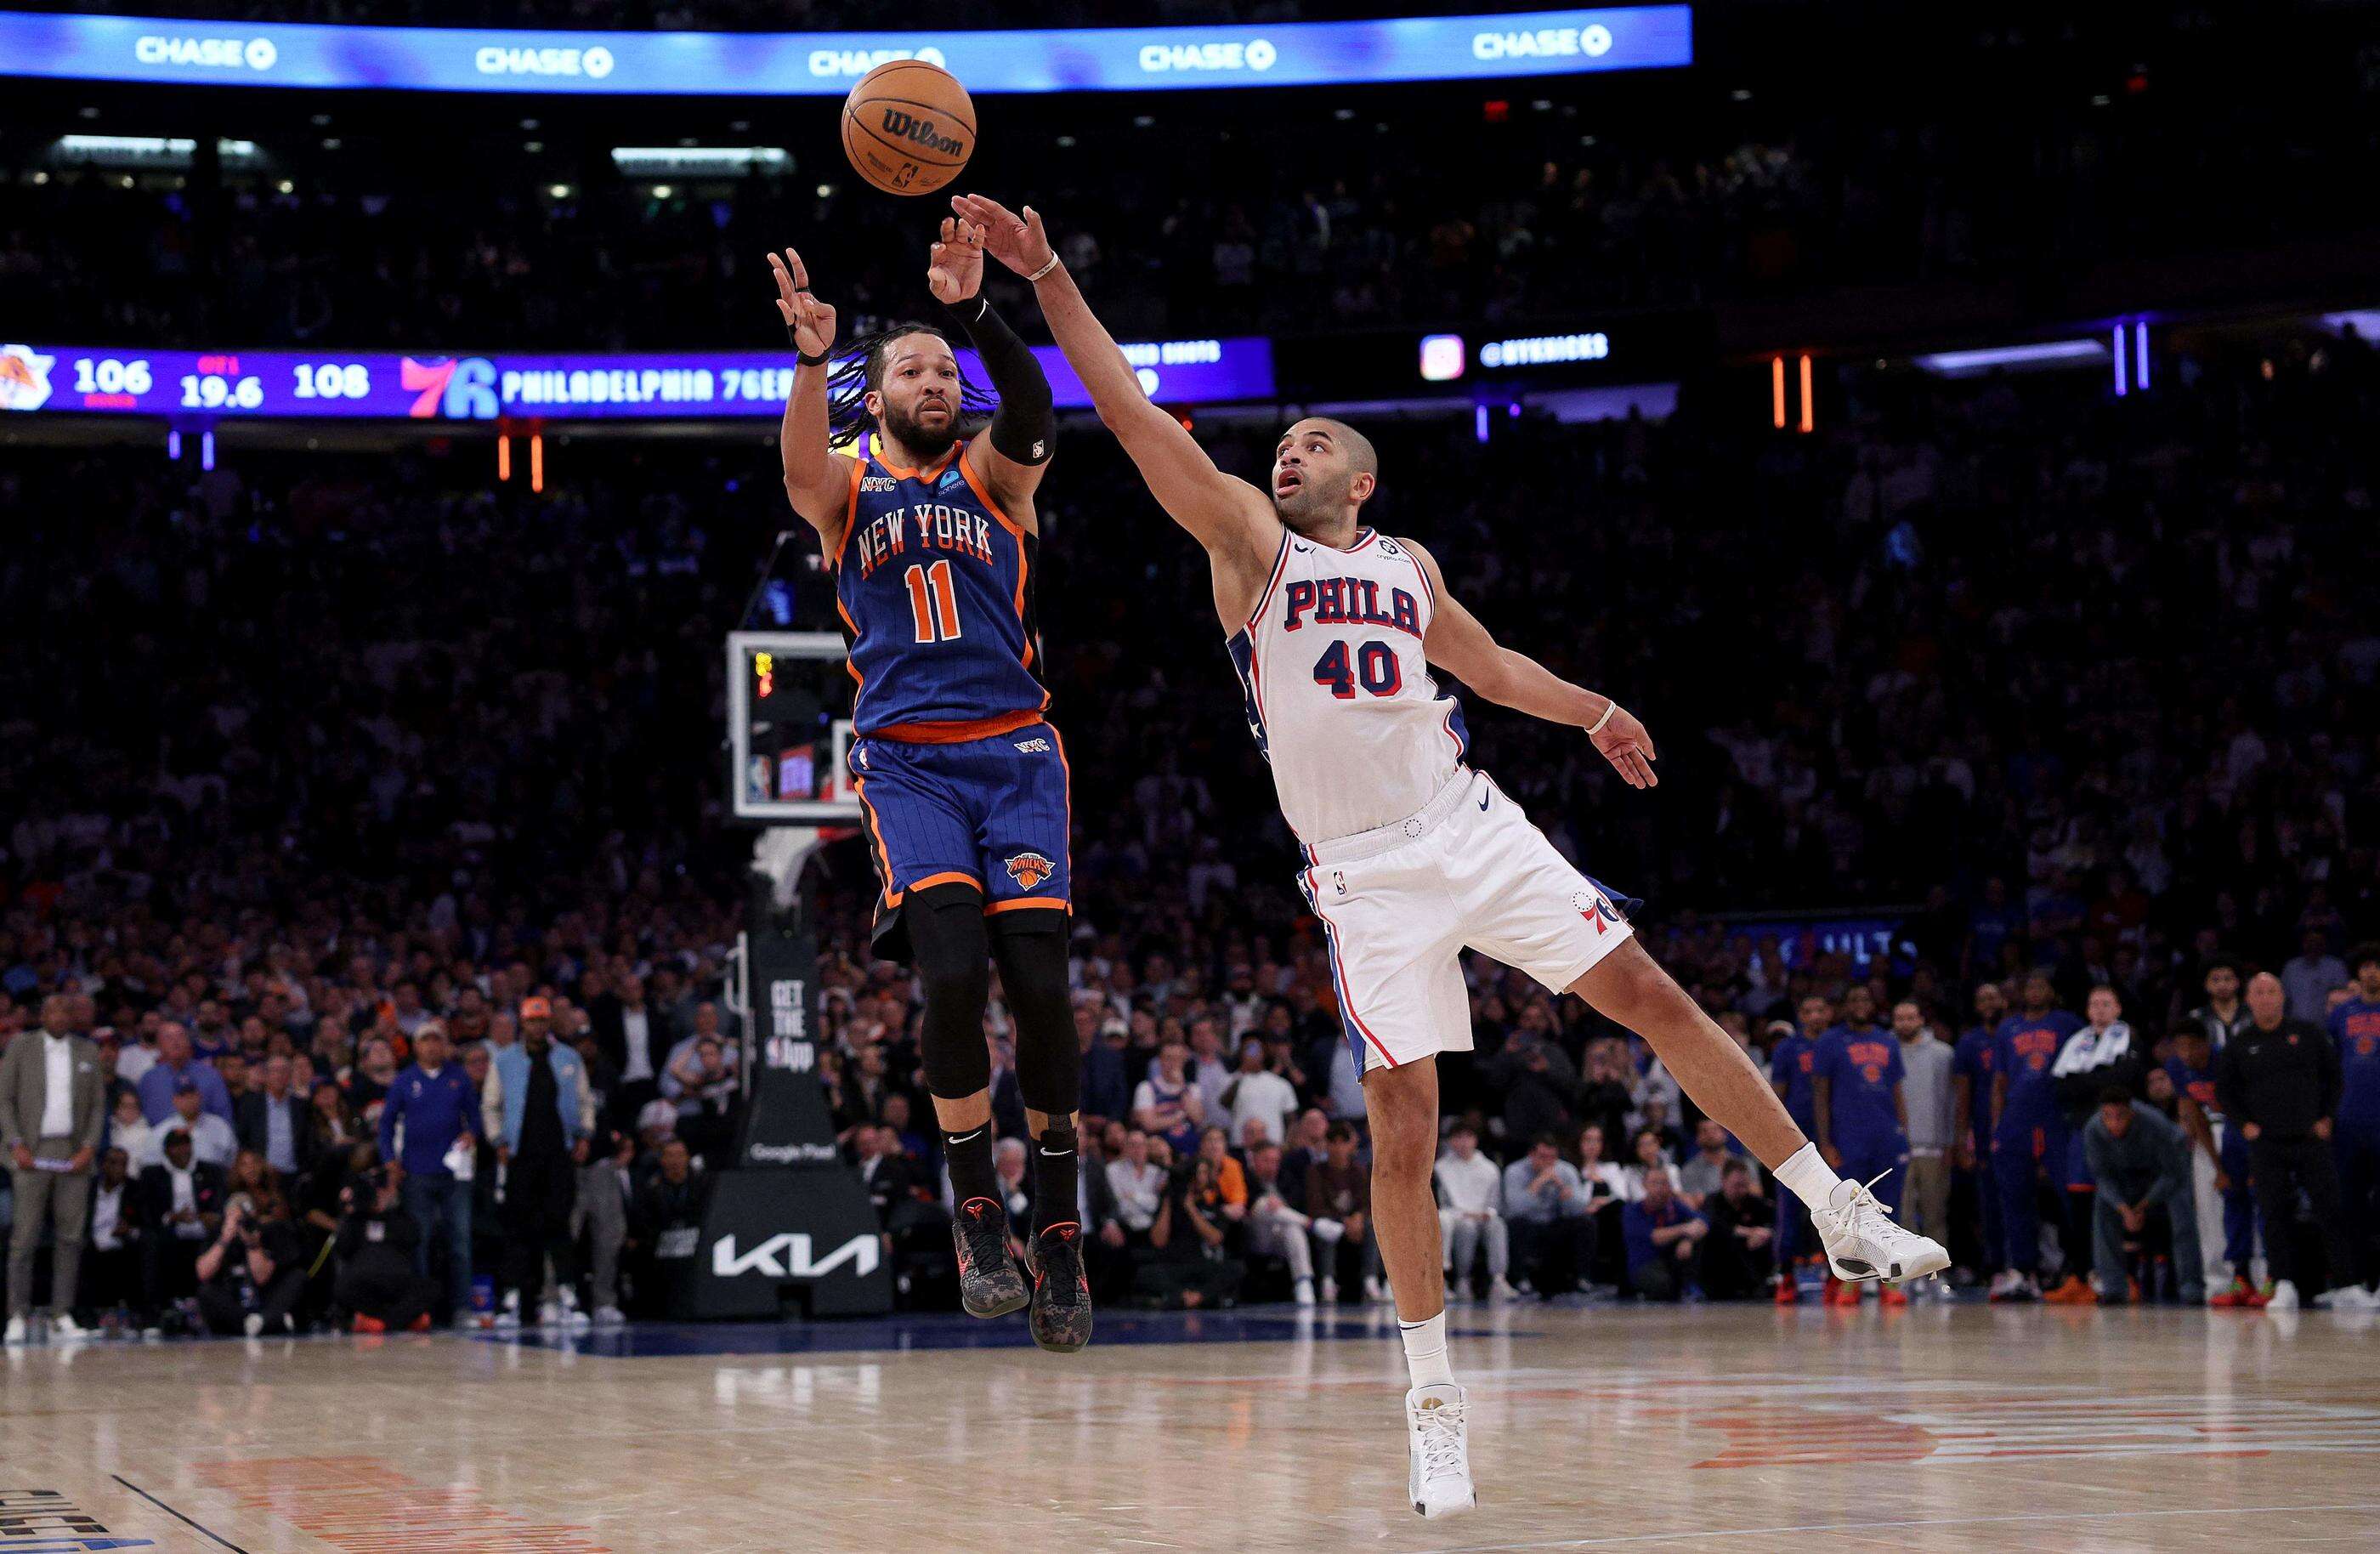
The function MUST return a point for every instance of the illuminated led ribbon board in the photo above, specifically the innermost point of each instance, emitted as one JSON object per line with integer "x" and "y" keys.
{"x": 675, "y": 386}
{"x": 186, "y": 52}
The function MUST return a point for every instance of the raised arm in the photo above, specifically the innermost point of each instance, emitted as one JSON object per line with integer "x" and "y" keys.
{"x": 1014, "y": 451}
{"x": 1460, "y": 645}
{"x": 1225, "y": 513}
{"x": 818, "y": 479}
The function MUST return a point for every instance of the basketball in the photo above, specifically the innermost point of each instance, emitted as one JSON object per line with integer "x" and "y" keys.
{"x": 908, "y": 127}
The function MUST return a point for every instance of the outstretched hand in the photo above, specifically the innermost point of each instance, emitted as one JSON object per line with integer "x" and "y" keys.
{"x": 954, "y": 268}
{"x": 1628, "y": 747}
{"x": 1016, "y": 241}
{"x": 810, "y": 321}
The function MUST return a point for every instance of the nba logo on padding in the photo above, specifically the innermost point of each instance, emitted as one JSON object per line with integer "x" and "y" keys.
{"x": 1029, "y": 869}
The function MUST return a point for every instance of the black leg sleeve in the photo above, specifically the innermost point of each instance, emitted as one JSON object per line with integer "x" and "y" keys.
{"x": 1032, "y": 958}
{"x": 952, "y": 952}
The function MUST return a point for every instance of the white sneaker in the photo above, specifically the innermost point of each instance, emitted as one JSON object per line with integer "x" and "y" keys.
{"x": 1502, "y": 1290}
{"x": 1862, "y": 1242}
{"x": 1438, "y": 1470}
{"x": 254, "y": 1324}
{"x": 506, "y": 1321}
{"x": 1303, "y": 1294}
{"x": 2005, "y": 1283}
{"x": 65, "y": 1327}
{"x": 1376, "y": 1291}
{"x": 610, "y": 1316}
{"x": 1463, "y": 1291}
{"x": 16, "y": 1331}
{"x": 2283, "y": 1298}
{"x": 2349, "y": 1297}
{"x": 549, "y": 1314}
{"x": 1330, "y": 1292}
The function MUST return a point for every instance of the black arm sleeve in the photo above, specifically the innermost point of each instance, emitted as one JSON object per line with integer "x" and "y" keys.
{"x": 1025, "y": 425}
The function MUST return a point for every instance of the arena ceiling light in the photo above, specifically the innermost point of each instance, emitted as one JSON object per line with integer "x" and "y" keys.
{"x": 144, "y": 150}
{"x": 2044, "y": 354}
{"x": 646, "y": 162}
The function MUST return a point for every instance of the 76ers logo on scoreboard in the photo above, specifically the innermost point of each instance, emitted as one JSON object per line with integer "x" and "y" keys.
{"x": 1029, "y": 869}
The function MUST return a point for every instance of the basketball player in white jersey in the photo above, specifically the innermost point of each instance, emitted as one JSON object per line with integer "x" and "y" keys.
{"x": 1411, "y": 856}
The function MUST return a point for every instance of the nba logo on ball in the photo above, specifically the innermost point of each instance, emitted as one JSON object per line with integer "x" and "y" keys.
{"x": 908, "y": 127}
{"x": 1029, "y": 869}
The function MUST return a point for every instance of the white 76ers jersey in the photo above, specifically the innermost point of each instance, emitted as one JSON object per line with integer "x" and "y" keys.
{"x": 1339, "y": 692}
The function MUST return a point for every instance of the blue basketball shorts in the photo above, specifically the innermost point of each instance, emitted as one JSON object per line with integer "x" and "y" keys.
{"x": 993, "y": 813}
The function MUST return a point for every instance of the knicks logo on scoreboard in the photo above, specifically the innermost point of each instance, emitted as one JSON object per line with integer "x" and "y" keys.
{"x": 1029, "y": 869}
{"x": 24, "y": 378}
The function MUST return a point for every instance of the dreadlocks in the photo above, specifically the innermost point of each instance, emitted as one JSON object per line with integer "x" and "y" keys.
{"x": 859, "y": 370}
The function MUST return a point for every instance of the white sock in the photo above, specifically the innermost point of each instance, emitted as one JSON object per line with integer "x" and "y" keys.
{"x": 1426, "y": 1351}
{"x": 1808, "y": 1176}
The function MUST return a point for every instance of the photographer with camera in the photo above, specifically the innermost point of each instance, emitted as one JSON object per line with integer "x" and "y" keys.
{"x": 378, "y": 1283}
{"x": 252, "y": 1277}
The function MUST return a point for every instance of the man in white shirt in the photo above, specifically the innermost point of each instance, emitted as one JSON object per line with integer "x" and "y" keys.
{"x": 1138, "y": 1183}
{"x": 1470, "y": 1189}
{"x": 211, "y": 1140}
{"x": 50, "y": 1120}
{"x": 1256, "y": 1092}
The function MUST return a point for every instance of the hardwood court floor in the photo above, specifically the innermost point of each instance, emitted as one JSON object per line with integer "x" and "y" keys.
{"x": 1737, "y": 1430}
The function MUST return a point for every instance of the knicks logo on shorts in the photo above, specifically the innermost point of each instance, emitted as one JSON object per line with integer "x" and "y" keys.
{"x": 1596, "y": 908}
{"x": 1029, "y": 869}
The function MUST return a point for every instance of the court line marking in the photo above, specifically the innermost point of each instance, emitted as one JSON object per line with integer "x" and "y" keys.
{"x": 1881, "y": 1526}
{"x": 175, "y": 1514}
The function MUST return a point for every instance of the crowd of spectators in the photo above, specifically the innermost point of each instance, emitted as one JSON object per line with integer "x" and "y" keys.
{"x": 2055, "y": 683}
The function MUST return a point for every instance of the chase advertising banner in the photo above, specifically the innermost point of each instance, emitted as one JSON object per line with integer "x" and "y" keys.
{"x": 825, "y": 64}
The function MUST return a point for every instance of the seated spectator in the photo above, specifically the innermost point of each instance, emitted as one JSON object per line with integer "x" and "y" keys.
{"x": 1258, "y": 1092}
{"x": 379, "y": 1285}
{"x": 1189, "y": 1264}
{"x": 1645, "y": 1149}
{"x": 1553, "y": 1235}
{"x": 177, "y": 1062}
{"x": 1607, "y": 1187}
{"x": 271, "y": 1120}
{"x": 666, "y": 1227}
{"x": 1739, "y": 1255}
{"x": 130, "y": 1132}
{"x": 1010, "y": 1171}
{"x": 111, "y": 1254}
{"x": 2139, "y": 1166}
{"x": 336, "y": 1128}
{"x": 1338, "y": 1201}
{"x": 1231, "y": 1181}
{"x": 212, "y": 1142}
{"x": 252, "y": 1277}
{"x": 1138, "y": 1185}
{"x": 1661, "y": 1234}
{"x": 706, "y": 1093}
{"x": 1274, "y": 1228}
{"x": 1168, "y": 1103}
{"x": 1469, "y": 1192}
{"x": 1699, "y": 1177}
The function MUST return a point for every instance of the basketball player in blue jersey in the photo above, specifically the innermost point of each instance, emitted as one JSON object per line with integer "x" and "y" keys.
{"x": 930, "y": 531}
{"x": 1411, "y": 856}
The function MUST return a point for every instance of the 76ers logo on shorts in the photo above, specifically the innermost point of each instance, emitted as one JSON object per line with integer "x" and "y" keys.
{"x": 1596, "y": 908}
{"x": 1029, "y": 869}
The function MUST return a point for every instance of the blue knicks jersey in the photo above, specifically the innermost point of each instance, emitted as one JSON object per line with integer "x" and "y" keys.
{"x": 934, "y": 583}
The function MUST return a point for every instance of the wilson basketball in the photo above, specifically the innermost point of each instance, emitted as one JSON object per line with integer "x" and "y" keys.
{"x": 908, "y": 127}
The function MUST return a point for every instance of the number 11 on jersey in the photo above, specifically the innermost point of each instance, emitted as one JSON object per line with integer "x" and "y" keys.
{"x": 934, "y": 598}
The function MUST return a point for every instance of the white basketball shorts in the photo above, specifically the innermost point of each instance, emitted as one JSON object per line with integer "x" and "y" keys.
{"x": 1401, "y": 903}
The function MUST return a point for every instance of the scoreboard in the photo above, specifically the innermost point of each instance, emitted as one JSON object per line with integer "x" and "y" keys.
{"x": 687, "y": 385}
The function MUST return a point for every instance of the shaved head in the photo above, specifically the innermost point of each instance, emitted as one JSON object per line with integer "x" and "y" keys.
{"x": 1323, "y": 470}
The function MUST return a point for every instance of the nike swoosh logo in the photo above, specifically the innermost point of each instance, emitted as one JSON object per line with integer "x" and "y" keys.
{"x": 965, "y": 1137}
{"x": 1483, "y": 802}
{"x": 1055, "y": 1154}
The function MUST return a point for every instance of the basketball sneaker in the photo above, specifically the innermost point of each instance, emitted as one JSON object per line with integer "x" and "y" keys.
{"x": 1060, "y": 1317}
{"x": 1788, "y": 1293}
{"x": 989, "y": 1282}
{"x": 1862, "y": 1241}
{"x": 1440, "y": 1471}
{"x": 2283, "y": 1298}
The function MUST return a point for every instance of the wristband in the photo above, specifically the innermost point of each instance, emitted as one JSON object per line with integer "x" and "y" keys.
{"x": 1596, "y": 727}
{"x": 1044, "y": 270}
{"x": 809, "y": 360}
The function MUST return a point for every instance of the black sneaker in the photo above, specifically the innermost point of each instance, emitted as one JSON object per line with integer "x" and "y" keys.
{"x": 1060, "y": 1317}
{"x": 989, "y": 1282}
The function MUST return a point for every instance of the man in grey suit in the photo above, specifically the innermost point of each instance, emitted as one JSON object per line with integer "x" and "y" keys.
{"x": 52, "y": 1096}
